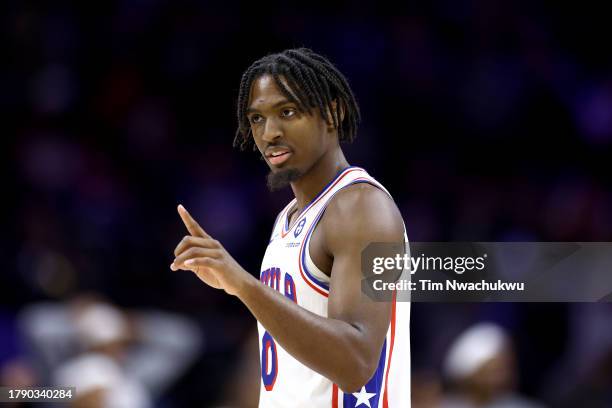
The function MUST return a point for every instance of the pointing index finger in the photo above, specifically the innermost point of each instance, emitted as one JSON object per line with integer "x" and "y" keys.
{"x": 192, "y": 226}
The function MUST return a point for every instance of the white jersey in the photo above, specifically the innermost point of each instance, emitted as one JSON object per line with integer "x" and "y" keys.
{"x": 288, "y": 268}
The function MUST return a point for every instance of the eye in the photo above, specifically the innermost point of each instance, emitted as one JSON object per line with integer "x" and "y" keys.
{"x": 288, "y": 112}
{"x": 255, "y": 118}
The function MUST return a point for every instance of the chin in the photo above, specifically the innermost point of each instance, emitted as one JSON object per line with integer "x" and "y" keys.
{"x": 282, "y": 177}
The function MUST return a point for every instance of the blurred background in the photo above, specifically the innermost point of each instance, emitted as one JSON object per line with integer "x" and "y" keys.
{"x": 487, "y": 120}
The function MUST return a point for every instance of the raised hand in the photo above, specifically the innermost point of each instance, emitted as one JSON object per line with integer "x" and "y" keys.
{"x": 206, "y": 257}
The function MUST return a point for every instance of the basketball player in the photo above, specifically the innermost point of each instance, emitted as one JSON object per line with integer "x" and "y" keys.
{"x": 322, "y": 343}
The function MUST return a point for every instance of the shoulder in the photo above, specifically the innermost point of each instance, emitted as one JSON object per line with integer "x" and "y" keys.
{"x": 362, "y": 213}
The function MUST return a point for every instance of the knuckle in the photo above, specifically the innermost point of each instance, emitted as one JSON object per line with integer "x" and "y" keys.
{"x": 182, "y": 244}
{"x": 183, "y": 256}
{"x": 191, "y": 252}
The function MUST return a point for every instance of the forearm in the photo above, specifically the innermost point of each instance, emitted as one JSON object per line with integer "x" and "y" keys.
{"x": 309, "y": 337}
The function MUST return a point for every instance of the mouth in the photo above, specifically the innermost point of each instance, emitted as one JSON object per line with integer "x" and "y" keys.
{"x": 276, "y": 156}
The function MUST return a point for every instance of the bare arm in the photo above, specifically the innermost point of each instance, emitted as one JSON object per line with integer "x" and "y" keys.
{"x": 345, "y": 346}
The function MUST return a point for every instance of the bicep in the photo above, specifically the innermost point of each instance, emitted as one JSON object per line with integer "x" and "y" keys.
{"x": 348, "y": 303}
{"x": 358, "y": 217}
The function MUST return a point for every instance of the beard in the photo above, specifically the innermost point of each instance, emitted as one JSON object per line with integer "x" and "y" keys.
{"x": 280, "y": 179}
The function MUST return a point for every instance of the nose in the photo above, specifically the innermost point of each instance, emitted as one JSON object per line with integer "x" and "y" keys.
{"x": 272, "y": 130}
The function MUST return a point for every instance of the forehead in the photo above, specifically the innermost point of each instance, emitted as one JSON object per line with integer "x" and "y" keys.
{"x": 265, "y": 92}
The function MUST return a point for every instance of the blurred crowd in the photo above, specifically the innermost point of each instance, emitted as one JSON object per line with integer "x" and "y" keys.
{"x": 487, "y": 121}
{"x": 113, "y": 357}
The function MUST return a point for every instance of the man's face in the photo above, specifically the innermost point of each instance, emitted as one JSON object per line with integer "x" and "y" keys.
{"x": 290, "y": 141}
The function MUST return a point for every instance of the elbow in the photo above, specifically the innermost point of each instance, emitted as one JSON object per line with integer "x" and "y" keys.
{"x": 357, "y": 376}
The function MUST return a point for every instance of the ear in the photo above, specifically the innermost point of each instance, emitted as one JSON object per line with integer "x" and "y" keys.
{"x": 337, "y": 110}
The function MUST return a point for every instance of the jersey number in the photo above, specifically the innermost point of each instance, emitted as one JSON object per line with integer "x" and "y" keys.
{"x": 269, "y": 361}
{"x": 269, "y": 356}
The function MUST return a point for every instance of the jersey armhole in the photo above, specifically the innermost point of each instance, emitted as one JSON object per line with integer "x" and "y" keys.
{"x": 309, "y": 264}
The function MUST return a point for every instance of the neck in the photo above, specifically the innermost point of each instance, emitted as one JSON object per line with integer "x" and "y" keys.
{"x": 322, "y": 172}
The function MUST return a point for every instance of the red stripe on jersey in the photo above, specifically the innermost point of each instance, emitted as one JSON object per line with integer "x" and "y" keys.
{"x": 306, "y": 240}
{"x": 311, "y": 284}
{"x": 334, "y": 396}
{"x": 302, "y": 266}
{"x": 284, "y": 234}
{"x": 385, "y": 399}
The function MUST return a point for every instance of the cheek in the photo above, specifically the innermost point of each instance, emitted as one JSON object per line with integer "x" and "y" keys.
{"x": 256, "y": 140}
{"x": 317, "y": 137}
{"x": 314, "y": 148}
{"x": 321, "y": 141}
{"x": 311, "y": 143}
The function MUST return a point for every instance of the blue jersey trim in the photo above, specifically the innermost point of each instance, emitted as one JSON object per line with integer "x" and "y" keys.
{"x": 375, "y": 385}
{"x": 286, "y": 228}
{"x": 321, "y": 284}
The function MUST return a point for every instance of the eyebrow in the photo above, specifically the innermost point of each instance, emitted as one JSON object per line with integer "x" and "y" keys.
{"x": 276, "y": 105}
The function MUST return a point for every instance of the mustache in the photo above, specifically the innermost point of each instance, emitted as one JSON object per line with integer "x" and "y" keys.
{"x": 263, "y": 152}
{"x": 273, "y": 145}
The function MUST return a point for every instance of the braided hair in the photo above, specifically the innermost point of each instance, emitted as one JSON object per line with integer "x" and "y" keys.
{"x": 313, "y": 82}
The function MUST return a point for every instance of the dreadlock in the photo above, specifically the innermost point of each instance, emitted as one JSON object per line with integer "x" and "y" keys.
{"x": 313, "y": 82}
